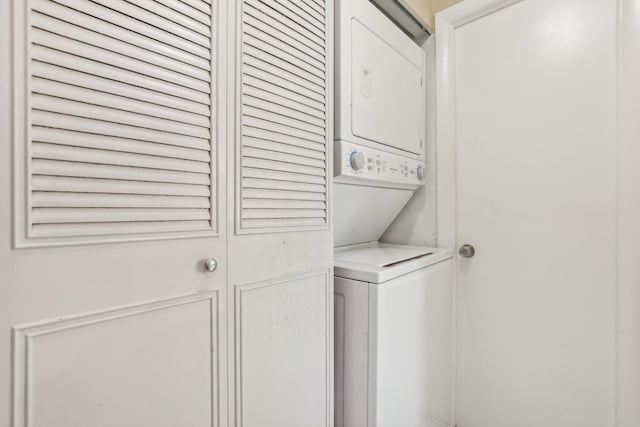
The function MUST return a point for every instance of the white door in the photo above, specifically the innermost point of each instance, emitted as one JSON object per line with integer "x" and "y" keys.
{"x": 527, "y": 125}
{"x": 280, "y": 242}
{"x": 113, "y": 192}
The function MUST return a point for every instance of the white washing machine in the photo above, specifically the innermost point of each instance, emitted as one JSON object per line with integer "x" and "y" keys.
{"x": 393, "y": 336}
{"x": 393, "y": 304}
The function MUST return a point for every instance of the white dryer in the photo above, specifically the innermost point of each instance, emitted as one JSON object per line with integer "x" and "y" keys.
{"x": 393, "y": 336}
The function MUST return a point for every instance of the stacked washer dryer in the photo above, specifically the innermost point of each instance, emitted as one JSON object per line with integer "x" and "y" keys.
{"x": 393, "y": 303}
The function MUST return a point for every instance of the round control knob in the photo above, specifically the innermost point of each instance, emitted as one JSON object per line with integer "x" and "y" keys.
{"x": 420, "y": 173}
{"x": 356, "y": 160}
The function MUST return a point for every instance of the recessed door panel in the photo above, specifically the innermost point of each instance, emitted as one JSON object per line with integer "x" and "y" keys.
{"x": 283, "y": 352}
{"x": 114, "y": 368}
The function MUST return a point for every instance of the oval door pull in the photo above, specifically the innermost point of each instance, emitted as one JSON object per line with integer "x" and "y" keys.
{"x": 467, "y": 251}
{"x": 210, "y": 265}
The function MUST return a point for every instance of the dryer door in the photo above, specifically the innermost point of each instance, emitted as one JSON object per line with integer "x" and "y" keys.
{"x": 387, "y": 93}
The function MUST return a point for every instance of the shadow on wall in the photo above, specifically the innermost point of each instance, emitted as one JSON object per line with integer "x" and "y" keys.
{"x": 416, "y": 223}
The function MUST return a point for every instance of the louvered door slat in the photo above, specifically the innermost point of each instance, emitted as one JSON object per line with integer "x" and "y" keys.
{"x": 121, "y": 19}
{"x": 282, "y": 30}
{"x": 250, "y": 172}
{"x": 311, "y": 131}
{"x": 304, "y": 12}
{"x": 101, "y": 69}
{"x": 279, "y": 223}
{"x": 123, "y": 34}
{"x": 118, "y": 102}
{"x": 259, "y": 153}
{"x": 273, "y": 184}
{"x": 92, "y": 200}
{"x": 275, "y": 11}
{"x": 277, "y": 80}
{"x": 89, "y": 185}
{"x": 290, "y": 98}
{"x": 277, "y": 97}
{"x": 158, "y": 21}
{"x": 283, "y": 204}
{"x": 117, "y": 228}
{"x": 265, "y": 194}
{"x": 102, "y": 142}
{"x": 55, "y": 73}
{"x": 127, "y": 60}
{"x": 286, "y": 9}
{"x": 187, "y": 10}
{"x": 80, "y": 124}
{"x": 267, "y": 104}
{"x": 283, "y": 213}
{"x": 124, "y": 48}
{"x": 268, "y": 43}
{"x": 310, "y": 74}
{"x": 108, "y": 114}
{"x": 262, "y": 23}
{"x": 63, "y": 168}
{"x": 285, "y": 71}
{"x": 184, "y": 22}
{"x": 121, "y": 119}
{"x": 67, "y": 215}
{"x": 199, "y": 5}
{"x": 254, "y": 129}
{"x": 270, "y": 165}
{"x": 281, "y": 148}
{"x": 107, "y": 157}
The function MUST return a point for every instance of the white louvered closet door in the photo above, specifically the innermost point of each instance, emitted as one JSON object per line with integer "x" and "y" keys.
{"x": 117, "y": 195}
{"x": 281, "y": 251}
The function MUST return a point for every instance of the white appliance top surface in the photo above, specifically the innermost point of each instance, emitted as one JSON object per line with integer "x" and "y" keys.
{"x": 383, "y": 262}
{"x": 382, "y": 256}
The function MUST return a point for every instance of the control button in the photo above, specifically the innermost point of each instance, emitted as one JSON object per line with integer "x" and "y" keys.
{"x": 420, "y": 173}
{"x": 356, "y": 160}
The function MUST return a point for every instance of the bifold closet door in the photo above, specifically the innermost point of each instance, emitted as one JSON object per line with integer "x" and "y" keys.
{"x": 112, "y": 199}
{"x": 281, "y": 248}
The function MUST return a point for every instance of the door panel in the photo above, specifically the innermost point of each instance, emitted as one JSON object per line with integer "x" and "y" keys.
{"x": 535, "y": 141}
{"x": 108, "y": 365}
{"x": 110, "y": 170}
{"x": 280, "y": 294}
{"x": 282, "y": 358}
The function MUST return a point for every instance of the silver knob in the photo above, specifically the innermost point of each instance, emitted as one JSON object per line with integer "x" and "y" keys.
{"x": 467, "y": 251}
{"x": 420, "y": 173}
{"x": 356, "y": 160}
{"x": 210, "y": 265}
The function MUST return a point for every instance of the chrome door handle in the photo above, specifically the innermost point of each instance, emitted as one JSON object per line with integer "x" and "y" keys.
{"x": 467, "y": 251}
{"x": 210, "y": 265}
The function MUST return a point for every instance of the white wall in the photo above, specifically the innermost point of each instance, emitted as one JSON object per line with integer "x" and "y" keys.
{"x": 416, "y": 224}
{"x": 628, "y": 399}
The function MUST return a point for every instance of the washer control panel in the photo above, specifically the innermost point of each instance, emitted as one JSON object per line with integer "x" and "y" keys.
{"x": 364, "y": 163}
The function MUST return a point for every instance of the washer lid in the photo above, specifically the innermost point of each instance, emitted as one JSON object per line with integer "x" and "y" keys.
{"x": 377, "y": 264}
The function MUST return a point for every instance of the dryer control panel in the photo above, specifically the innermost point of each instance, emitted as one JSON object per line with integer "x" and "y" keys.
{"x": 369, "y": 166}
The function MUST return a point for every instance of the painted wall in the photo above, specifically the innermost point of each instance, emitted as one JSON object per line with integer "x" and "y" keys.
{"x": 427, "y": 9}
{"x": 416, "y": 224}
{"x": 628, "y": 375}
